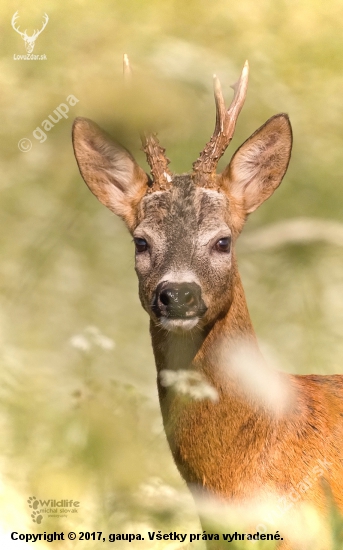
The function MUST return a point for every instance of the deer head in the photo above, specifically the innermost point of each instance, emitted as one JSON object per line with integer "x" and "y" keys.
{"x": 185, "y": 226}
{"x": 29, "y": 40}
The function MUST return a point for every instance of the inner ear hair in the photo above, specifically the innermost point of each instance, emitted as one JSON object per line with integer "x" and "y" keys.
{"x": 258, "y": 166}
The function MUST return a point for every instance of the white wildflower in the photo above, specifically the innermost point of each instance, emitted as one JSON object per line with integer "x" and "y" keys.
{"x": 92, "y": 330}
{"x": 99, "y": 339}
{"x": 79, "y": 341}
{"x": 104, "y": 342}
{"x": 189, "y": 382}
{"x": 92, "y": 336}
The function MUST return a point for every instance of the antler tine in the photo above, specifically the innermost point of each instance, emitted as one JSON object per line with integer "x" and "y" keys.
{"x": 14, "y": 21}
{"x": 45, "y": 22}
{"x": 14, "y": 18}
{"x": 155, "y": 154}
{"x": 205, "y": 166}
{"x": 220, "y": 106}
{"x": 158, "y": 162}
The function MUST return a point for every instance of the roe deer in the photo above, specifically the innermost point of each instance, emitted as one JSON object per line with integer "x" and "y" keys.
{"x": 238, "y": 443}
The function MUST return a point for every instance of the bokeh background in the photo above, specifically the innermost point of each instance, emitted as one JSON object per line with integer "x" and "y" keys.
{"x": 78, "y": 406}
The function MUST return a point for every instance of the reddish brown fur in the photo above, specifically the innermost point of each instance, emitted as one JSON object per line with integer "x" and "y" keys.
{"x": 235, "y": 462}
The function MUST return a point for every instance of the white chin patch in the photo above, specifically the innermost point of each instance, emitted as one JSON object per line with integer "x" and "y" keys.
{"x": 178, "y": 325}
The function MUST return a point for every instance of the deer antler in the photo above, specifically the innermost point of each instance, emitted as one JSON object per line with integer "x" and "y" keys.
{"x": 13, "y": 22}
{"x": 45, "y": 22}
{"x": 204, "y": 168}
{"x": 155, "y": 154}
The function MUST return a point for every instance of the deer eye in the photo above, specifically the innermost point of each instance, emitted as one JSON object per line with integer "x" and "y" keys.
{"x": 223, "y": 245}
{"x": 141, "y": 244}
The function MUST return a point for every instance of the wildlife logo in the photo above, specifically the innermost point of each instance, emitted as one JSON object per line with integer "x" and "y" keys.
{"x": 51, "y": 508}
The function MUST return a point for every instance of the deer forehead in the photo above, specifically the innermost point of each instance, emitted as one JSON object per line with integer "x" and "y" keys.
{"x": 184, "y": 213}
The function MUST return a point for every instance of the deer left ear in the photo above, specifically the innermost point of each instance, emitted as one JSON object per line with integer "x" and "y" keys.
{"x": 258, "y": 166}
{"x": 109, "y": 170}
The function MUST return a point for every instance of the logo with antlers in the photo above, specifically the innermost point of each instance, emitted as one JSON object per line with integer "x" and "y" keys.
{"x": 29, "y": 40}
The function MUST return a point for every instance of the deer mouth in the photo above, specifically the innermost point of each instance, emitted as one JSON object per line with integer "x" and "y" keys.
{"x": 178, "y": 325}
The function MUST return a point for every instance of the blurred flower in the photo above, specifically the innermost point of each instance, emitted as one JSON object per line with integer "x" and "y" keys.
{"x": 91, "y": 337}
{"x": 155, "y": 492}
{"x": 191, "y": 383}
{"x": 79, "y": 341}
{"x": 265, "y": 385}
{"x": 99, "y": 339}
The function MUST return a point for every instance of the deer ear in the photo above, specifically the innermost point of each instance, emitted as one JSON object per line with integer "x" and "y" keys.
{"x": 258, "y": 166}
{"x": 109, "y": 170}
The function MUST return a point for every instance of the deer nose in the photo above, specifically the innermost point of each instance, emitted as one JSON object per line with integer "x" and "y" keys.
{"x": 178, "y": 301}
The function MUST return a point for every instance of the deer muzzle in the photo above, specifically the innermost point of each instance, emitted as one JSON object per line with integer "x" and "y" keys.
{"x": 180, "y": 301}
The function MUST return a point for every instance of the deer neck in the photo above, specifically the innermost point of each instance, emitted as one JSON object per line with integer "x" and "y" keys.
{"x": 199, "y": 349}
{"x": 214, "y": 417}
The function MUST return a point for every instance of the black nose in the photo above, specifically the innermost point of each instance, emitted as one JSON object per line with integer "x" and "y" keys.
{"x": 178, "y": 301}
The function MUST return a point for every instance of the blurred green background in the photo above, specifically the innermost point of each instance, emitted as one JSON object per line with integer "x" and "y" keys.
{"x": 79, "y": 412}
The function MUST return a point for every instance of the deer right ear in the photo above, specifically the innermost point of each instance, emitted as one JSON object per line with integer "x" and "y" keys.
{"x": 109, "y": 170}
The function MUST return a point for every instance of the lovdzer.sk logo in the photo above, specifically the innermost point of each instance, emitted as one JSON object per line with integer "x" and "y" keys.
{"x": 29, "y": 40}
{"x": 51, "y": 508}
